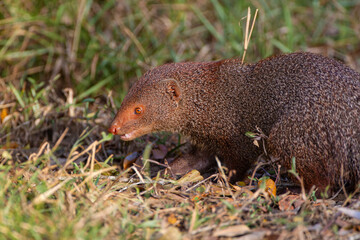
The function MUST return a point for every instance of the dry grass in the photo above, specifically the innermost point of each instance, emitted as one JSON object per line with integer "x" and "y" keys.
{"x": 59, "y": 174}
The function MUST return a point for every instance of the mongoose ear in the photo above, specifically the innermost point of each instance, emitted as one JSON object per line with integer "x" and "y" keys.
{"x": 173, "y": 89}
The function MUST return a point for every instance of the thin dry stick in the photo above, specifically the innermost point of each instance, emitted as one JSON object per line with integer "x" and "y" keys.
{"x": 350, "y": 196}
{"x": 74, "y": 176}
{"x": 260, "y": 165}
{"x": 277, "y": 180}
{"x": 93, "y": 158}
{"x": 303, "y": 193}
{"x": 342, "y": 181}
{"x": 138, "y": 173}
{"x": 336, "y": 194}
{"x": 254, "y": 196}
{"x": 88, "y": 161}
{"x": 7, "y": 105}
{"x": 34, "y": 156}
{"x": 193, "y": 219}
{"x": 80, "y": 154}
{"x": 224, "y": 177}
{"x": 69, "y": 93}
{"x": 129, "y": 186}
{"x": 254, "y": 172}
{"x": 61, "y": 138}
{"x": 201, "y": 182}
{"x": 42, "y": 197}
{"x": 91, "y": 176}
{"x": 247, "y": 34}
{"x": 246, "y": 43}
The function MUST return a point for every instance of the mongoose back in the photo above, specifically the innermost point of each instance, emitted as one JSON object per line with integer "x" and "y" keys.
{"x": 308, "y": 106}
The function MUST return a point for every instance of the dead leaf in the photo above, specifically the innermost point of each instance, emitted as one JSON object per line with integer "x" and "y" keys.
{"x": 245, "y": 192}
{"x": 10, "y": 145}
{"x": 255, "y": 235}
{"x": 220, "y": 191}
{"x": 160, "y": 203}
{"x": 172, "y": 219}
{"x": 197, "y": 197}
{"x": 232, "y": 231}
{"x": 6, "y": 155}
{"x": 158, "y": 154}
{"x": 170, "y": 233}
{"x": 4, "y": 113}
{"x": 192, "y": 176}
{"x": 326, "y": 202}
{"x": 241, "y": 183}
{"x": 350, "y": 212}
{"x": 270, "y": 186}
{"x": 130, "y": 159}
{"x": 175, "y": 197}
{"x": 290, "y": 202}
{"x": 298, "y": 219}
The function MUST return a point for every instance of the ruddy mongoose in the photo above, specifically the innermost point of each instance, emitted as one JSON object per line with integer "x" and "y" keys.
{"x": 308, "y": 106}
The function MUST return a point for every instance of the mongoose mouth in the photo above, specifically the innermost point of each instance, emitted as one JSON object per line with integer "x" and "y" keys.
{"x": 135, "y": 133}
{"x": 124, "y": 136}
{"x": 128, "y": 136}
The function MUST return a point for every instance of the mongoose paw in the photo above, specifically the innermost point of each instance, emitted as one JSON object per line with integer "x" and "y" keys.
{"x": 184, "y": 164}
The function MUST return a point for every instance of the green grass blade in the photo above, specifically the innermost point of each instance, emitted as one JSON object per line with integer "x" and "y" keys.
{"x": 207, "y": 24}
{"x": 95, "y": 88}
{"x": 17, "y": 95}
{"x": 24, "y": 54}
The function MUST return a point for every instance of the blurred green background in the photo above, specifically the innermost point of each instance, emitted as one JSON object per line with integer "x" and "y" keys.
{"x": 92, "y": 46}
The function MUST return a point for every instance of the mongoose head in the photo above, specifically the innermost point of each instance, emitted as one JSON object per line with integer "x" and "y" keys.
{"x": 151, "y": 105}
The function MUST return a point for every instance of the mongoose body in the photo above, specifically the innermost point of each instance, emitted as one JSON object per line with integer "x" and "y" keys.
{"x": 308, "y": 106}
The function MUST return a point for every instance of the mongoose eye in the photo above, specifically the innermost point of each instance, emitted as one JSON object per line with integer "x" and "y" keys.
{"x": 138, "y": 110}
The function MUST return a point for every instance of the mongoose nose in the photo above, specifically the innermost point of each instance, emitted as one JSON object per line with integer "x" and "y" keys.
{"x": 112, "y": 129}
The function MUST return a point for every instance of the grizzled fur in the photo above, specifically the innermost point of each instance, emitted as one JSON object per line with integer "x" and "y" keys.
{"x": 307, "y": 104}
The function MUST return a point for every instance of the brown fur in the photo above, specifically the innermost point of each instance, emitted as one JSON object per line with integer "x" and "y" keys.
{"x": 307, "y": 104}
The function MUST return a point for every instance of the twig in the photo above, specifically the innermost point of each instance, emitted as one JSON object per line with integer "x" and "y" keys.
{"x": 247, "y": 34}
{"x": 80, "y": 154}
{"x": 221, "y": 170}
{"x": 7, "y": 105}
{"x": 197, "y": 184}
{"x": 42, "y": 197}
{"x": 61, "y": 138}
{"x": 91, "y": 175}
{"x": 254, "y": 196}
{"x": 138, "y": 173}
{"x": 34, "y": 156}
{"x": 342, "y": 181}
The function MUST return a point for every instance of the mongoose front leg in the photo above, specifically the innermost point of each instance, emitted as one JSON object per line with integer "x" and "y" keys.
{"x": 197, "y": 159}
